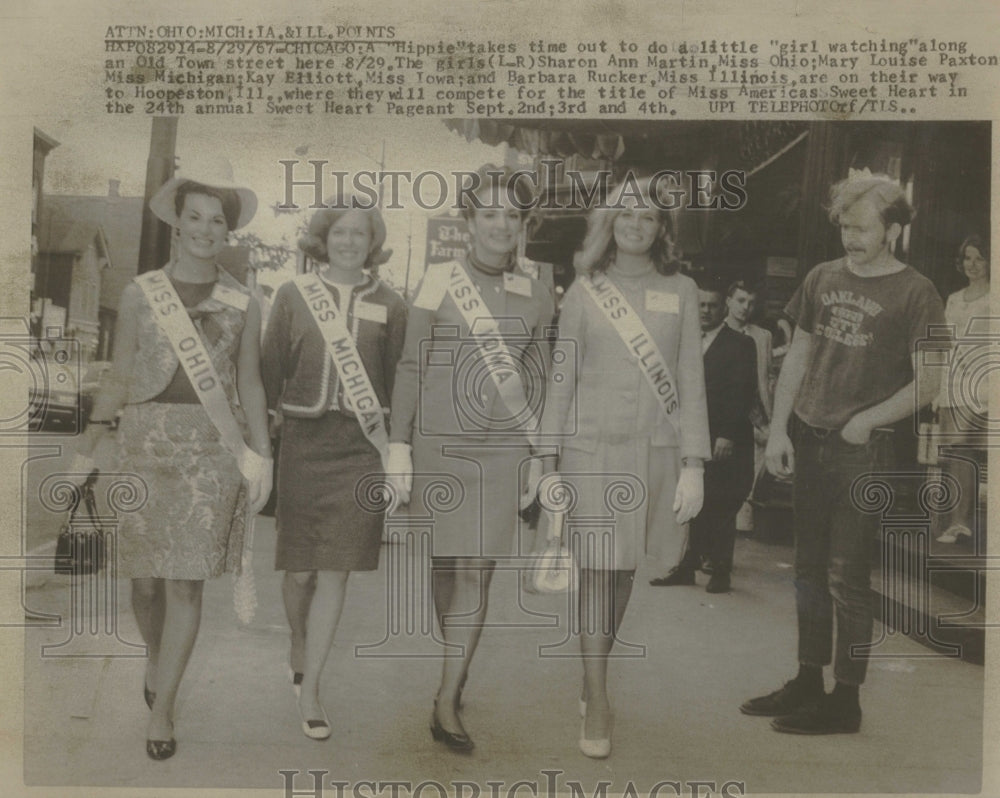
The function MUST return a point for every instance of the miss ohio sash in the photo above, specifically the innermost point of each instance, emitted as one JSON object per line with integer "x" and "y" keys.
{"x": 173, "y": 319}
{"x": 639, "y": 341}
{"x": 358, "y": 391}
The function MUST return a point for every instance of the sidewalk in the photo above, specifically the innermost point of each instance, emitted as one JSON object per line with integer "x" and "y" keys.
{"x": 676, "y": 704}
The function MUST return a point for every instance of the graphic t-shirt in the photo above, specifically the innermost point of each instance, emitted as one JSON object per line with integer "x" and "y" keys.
{"x": 864, "y": 334}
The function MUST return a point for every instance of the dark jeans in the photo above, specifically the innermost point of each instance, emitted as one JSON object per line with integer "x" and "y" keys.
{"x": 834, "y": 542}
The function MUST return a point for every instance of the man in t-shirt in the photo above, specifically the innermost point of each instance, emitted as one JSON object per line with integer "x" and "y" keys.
{"x": 849, "y": 373}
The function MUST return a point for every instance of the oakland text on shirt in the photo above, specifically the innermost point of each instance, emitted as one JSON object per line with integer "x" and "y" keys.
{"x": 847, "y": 311}
{"x": 845, "y": 297}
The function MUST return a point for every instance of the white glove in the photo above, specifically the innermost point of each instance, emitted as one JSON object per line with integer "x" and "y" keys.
{"x": 531, "y": 487}
{"x": 259, "y": 474}
{"x": 80, "y": 468}
{"x": 399, "y": 472}
{"x": 690, "y": 494}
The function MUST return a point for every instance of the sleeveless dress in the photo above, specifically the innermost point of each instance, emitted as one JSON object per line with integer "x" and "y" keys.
{"x": 193, "y": 522}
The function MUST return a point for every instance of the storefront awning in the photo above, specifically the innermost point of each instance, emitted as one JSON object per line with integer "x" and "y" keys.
{"x": 685, "y": 144}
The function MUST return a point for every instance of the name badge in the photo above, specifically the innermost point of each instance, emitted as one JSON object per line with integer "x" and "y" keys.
{"x": 663, "y": 302}
{"x": 230, "y": 296}
{"x": 517, "y": 284}
{"x": 369, "y": 311}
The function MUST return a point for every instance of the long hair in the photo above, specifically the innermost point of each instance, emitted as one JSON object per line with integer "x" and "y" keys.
{"x": 598, "y": 248}
{"x": 980, "y": 243}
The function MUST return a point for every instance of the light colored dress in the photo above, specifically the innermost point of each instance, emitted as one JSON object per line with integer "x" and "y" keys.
{"x": 961, "y": 409}
{"x": 620, "y": 453}
{"x": 467, "y": 456}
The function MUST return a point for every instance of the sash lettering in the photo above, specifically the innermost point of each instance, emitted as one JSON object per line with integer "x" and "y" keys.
{"x": 501, "y": 364}
{"x": 359, "y": 394}
{"x": 630, "y": 328}
{"x": 172, "y": 318}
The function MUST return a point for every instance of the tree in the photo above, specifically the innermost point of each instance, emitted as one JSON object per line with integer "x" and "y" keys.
{"x": 264, "y": 255}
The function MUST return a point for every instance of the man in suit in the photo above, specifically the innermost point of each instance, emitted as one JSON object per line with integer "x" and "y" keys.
{"x": 731, "y": 390}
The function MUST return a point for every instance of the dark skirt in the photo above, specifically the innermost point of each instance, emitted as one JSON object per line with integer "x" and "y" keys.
{"x": 326, "y": 518}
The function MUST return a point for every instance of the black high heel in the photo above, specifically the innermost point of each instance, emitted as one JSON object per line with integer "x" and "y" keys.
{"x": 459, "y": 742}
{"x": 149, "y": 695}
{"x": 161, "y": 749}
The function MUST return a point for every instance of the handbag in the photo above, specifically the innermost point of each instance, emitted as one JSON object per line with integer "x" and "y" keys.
{"x": 80, "y": 548}
{"x": 555, "y": 569}
{"x": 929, "y": 436}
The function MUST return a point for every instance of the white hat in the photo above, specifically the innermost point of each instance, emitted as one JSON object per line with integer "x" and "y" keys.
{"x": 211, "y": 171}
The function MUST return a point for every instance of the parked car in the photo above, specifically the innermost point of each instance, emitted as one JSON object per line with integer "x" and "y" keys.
{"x": 61, "y": 400}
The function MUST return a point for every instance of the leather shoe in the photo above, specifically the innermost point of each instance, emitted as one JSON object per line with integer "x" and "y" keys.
{"x": 595, "y": 749}
{"x": 719, "y": 582}
{"x": 792, "y": 697}
{"x": 826, "y": 716}
{"x": 676, "y": 576}
{"x": 315, "y": 728}
{"x": 161, "y": 749}
{"x": 459, "y": 742}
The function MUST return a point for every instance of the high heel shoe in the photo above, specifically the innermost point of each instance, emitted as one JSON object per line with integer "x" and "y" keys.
{"x": 954, "y": 534}
{"x": 459, "y": 742}
{"x": 315, "y": 729}
{"x": 148, "y": 694}
{"x": 161, "y": 749}
{"x": 295, "y": 677}
{"x": 595, "y": 749}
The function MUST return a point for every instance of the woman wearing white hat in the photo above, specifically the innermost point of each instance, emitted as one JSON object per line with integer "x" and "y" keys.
{"x": 186, "y": 378}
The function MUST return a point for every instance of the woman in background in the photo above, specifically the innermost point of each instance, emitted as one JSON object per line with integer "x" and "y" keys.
{"x": 963, "y": 412}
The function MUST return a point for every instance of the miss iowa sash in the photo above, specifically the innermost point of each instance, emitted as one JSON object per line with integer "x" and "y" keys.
{"x": 358, "y": 391}
{"x": 500, "y": 363}
{"x": 638, "y": 340}
{"x": 172, "y": 318}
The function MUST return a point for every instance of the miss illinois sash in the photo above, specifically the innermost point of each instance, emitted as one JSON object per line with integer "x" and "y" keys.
{"x": 173, "y": 319}
{"x": 358, "y": 391}
{"x": 639, "y": 341}
{"x": 500, "y": 363}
